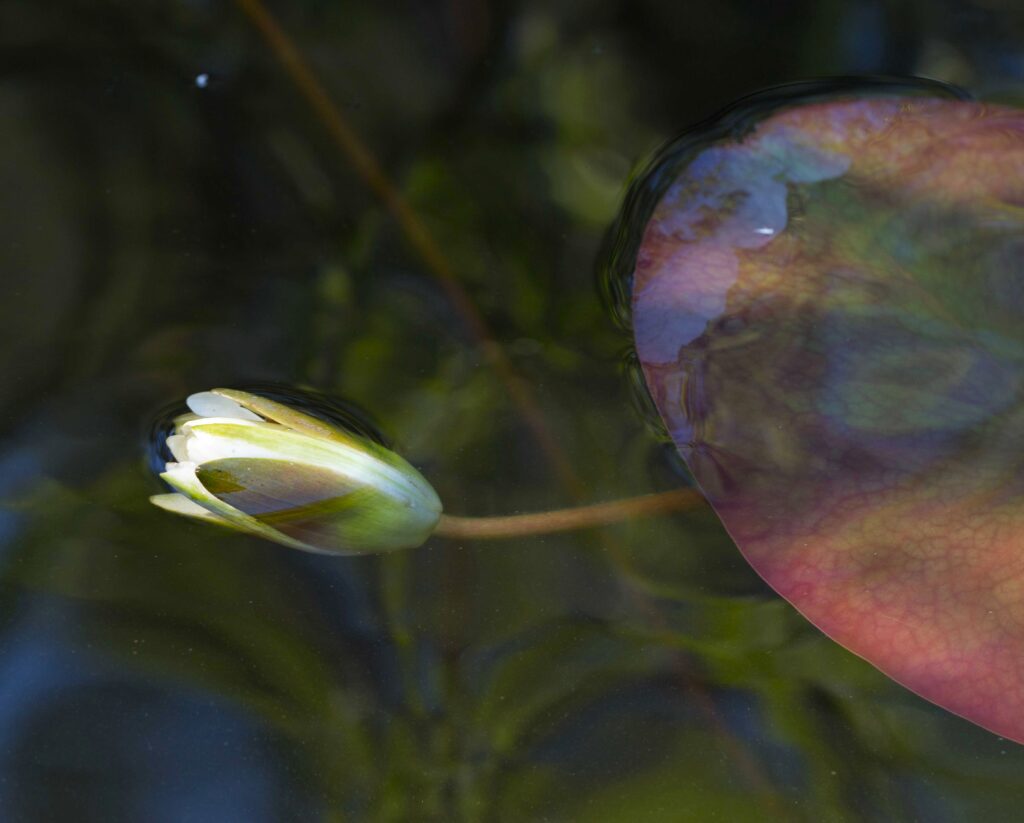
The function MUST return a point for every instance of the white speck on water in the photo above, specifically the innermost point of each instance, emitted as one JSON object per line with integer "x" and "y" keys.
{"x": 202, "y": 80}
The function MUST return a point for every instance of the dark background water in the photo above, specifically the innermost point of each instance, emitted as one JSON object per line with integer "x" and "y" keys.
{"x": 174, "y": 215}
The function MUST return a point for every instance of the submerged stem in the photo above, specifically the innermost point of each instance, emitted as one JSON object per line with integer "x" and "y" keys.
{"x": 561, "y": 520}
{"x": 370, "y": 171}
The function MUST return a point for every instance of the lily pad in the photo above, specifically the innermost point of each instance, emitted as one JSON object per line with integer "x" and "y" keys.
{"x": 828, "y": 306}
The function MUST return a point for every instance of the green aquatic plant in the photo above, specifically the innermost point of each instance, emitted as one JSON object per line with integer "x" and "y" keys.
{"x": 262, "y": 467}
{"x": 827, "y": 324}
{"x": 254, "y": 464}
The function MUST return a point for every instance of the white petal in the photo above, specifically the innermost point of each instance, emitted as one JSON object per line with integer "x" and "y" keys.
{"x": 176, "y": 443}
{"x": 208, "y": 404}
{"x": 205, "y": 447}
{"x": 203, "y": 451}
{"x": 179, "y": 504}
{"x": 218, "y": 438}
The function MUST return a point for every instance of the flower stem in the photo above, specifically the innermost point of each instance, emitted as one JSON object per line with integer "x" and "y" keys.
{"x": 560, "y": 520}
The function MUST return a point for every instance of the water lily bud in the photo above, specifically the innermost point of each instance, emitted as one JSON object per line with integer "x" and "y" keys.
{"x": 262, "y": 467}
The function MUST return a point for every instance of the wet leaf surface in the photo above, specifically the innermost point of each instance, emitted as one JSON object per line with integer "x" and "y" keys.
{"x": 828, "y": 308}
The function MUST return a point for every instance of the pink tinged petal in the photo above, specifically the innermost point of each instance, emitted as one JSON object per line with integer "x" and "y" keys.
{"x": 183, "y": 478}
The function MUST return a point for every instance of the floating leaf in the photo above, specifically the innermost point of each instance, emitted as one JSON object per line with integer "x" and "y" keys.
{"x": 828, "y": 303}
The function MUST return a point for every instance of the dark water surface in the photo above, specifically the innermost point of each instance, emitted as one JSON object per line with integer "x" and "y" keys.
{"x": 174, "y": 216}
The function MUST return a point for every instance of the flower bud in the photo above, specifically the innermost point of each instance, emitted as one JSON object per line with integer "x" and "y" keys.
{"x": 262, "y": 467}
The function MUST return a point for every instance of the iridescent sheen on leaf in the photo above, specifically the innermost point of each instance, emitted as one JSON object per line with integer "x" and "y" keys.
{"x": 829, "y": 310}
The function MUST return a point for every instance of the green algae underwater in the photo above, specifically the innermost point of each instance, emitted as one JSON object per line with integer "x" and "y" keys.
{"x": 164, "y": 234}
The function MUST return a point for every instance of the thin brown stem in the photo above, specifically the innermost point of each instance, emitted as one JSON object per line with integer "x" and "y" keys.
{"x": 416, "y": 233}
{"x": 561, "y": 520}
{"x": 419, "y": 238}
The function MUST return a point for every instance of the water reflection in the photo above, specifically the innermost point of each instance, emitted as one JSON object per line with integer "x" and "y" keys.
{"x": 157, "y": 237}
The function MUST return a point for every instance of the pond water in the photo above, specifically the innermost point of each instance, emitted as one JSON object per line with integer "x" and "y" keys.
{"x": 181, "y": 209}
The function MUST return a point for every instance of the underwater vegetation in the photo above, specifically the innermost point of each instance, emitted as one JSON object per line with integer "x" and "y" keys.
{"x": 404, "y": 205}
{"x": 828, "y": 300}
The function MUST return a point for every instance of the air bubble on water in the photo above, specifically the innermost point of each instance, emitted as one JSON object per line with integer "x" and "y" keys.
{"x": 617, "y": 259}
